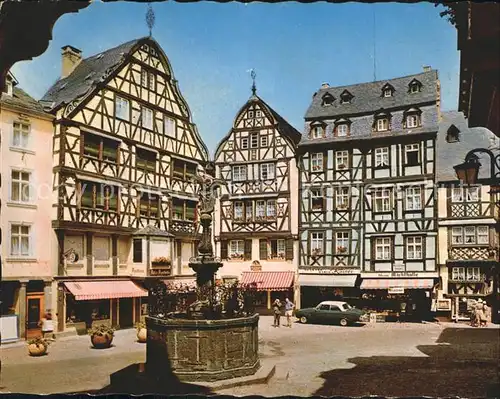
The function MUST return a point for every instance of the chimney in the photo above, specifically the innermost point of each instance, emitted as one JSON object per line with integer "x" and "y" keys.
{"x": 71, "y": 57}
{"x": 325, "y": 85}
{"x": 427, "y": 68}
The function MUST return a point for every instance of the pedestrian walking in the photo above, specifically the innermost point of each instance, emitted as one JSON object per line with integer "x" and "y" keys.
{"x": 289, "y": 306}
{"x": 277, "y": 312}
{"x": 485, "y": 315}
{"x": 47, "y": 326}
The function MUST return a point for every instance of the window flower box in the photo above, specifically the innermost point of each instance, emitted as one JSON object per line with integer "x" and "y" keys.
{"x": 317, "y": 168}
{"x": 237, "y": 256}
{"x": 161, "y": 261}
{"x": 316, "y": 252}
{"x": 342, "y": 166}
{"x": 341, "y": 249}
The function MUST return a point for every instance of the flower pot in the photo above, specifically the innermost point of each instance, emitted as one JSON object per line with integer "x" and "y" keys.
{"x": 37, "y": 349}
{"x": 142, "y": 334}
{"x": 101, "y": 341}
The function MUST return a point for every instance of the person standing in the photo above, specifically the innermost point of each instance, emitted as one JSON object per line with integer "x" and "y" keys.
{"x": 485, "y": 315}
{"x": 47, "y": 326}
{"x": 277, "y": 312}
{"x": 289, "y": 306}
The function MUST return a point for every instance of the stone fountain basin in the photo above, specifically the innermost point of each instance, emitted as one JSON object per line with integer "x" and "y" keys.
{"x": 202, "y": 350}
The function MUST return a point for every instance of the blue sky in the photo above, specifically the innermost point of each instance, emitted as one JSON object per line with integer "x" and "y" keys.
{"x": 293, "y": 47}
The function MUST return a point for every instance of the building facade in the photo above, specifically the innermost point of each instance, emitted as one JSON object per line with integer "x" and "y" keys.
{"x": 468, "y": 242}
{"x": 256, "y": 224}
{"x": 368, "y": 210}
{"x": 26, "y": 166}
{"x": 125, "y": 154}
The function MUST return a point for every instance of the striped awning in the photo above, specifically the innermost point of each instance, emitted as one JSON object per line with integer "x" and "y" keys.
{"x": 386, "y": 283}
{"x": 274, "y": 281}
{"x": 104, "y": 289}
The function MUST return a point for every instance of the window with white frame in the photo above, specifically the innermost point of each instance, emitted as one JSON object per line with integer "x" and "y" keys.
{"x": 276, "y": 249}
{"x": 473, "y": 274}
{"x": 342, "y": 130}
{"x": 341, "y": 242}
{"x": 470, "y": 194}
{"x": 412, "y": 120}
{"x": 317, "y": 162}
{"x": 317, "y": 199}
{"x": 466, "y": 274}
{"x": 148, "y": 79}
{"x": 258, "y": 113}
{"x": 20, "y": 240}
{"x": 317, "y": 243}
{"x": 244, "y": 143}
{"x": 413, "y": 198}
{"x": 381, "y": 157}
{"x": 342, "y": 198}
{"x": 267, "y": 171}
{"x": 271, "y": 209}
{"x": 260, "y": 209}
{"x": 382, "y": 124}
{"x": 236, "y": 248}
{"x": 470, "y": 235}
{"x": 169, "y": 126}
{"x": 249, "y": 210}
{"x": 388, "y": 92}
{"x": 263, "y": 140}
{"x": 414, "y": 247}
{"x": 122, "y": 108}
{"x": 20, "y": 135}
{"x": 414, "y": 87}
{"x": 458, "y": 274}
{"x": 342, "y": 159}
{"x": 147, "y": 118}
{"x": 412, "y": 154}
{"x": 383, "y": 248}
{"x": 239, "y": 173}
{"x": 254, "y": 140}
{"x": 317, "y": 132}
{"x": 382, "y": 200}
{"x": 20, "y": 188}
{"x": 457, "y": 194}
{"x": 238, "y": 211}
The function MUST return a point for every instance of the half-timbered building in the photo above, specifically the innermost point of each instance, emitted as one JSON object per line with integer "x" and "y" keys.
{"x": 468, "y": 242}
{"x": 368, "y": 216}
{"x": 256, "y": 217}
{"x": 125, "y": 154}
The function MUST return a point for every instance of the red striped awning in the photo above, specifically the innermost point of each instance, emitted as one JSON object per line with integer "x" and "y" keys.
{"x": 386, "y": 283}
{"x": 107, "y": 289}
{"x": 274, "y": 281}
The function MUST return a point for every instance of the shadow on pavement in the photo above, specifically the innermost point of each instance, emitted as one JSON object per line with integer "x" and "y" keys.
{"x": 463, "y": 363}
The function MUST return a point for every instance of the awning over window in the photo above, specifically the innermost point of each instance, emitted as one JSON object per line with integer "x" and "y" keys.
{"x": 327, "y": 280}
{"x": 107, "y": 289}
{"x": 274, "y": 281}
{"x": 384, "y": 284}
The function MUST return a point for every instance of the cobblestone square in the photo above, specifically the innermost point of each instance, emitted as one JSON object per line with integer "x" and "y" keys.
{"x": 388, "y": 359}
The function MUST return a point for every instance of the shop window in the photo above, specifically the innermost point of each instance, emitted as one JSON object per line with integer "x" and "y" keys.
{"x": 137, "y": 249}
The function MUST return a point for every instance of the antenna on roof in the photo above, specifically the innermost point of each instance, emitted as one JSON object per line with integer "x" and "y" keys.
{"x": 374, "y": 47}
{"x": 253, "y": 75}
{"x": 150, "y": 19}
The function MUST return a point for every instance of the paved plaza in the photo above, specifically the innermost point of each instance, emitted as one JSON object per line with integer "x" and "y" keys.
{"x": 386, "y": 359}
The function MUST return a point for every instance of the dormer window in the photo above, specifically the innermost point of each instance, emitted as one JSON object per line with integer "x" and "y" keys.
{"x": 342, "y": 128}
{"x": 346, "y": 97}
{"x": 382, "y": 124}
{"x": 327, "y": 99}
{"x": 387, "y": 90}
{"x": 412, "y": 118}
{"x": 452, "y": 134}
{"x": 317, "y": 131}
{"x": 414, "y": 86}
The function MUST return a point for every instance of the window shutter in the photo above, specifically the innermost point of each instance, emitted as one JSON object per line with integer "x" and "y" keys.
{"x": 289, "y": 249}
{"x": 263, "y": 249}
{"x": 223, "y": 249}
{"x": 248, "y": 250}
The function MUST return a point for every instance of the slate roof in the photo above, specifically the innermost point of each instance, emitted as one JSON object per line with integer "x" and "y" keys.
{"x": 153, "y": 231}
{"x": 86, "y": 74}
{"x": 451, "y": 154}
{"x": 21, "y": 99}
{"x": 368, "y": 96}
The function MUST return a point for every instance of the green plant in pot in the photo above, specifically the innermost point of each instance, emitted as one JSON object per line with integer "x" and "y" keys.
{"x": 38, "y": 346}
{"x": 142, "y": 332}
{"x": 101, "y": 336}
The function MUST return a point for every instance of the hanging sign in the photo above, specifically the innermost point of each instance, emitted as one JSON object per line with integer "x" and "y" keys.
{"x": 396, "y": 290}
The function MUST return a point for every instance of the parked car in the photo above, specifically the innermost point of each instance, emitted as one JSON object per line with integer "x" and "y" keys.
{"x": 332, "y": 312}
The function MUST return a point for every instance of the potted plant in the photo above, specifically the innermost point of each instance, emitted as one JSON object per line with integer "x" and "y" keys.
{"x": 37, "y": 346}
{"x": 101, "y": 336}
{"x": 162, "y": 261}
{"x": 142, "y": 332}
{"x": 341, "y": 249}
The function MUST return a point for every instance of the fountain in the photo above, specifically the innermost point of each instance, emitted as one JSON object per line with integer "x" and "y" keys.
{"x": 210, "y": 340}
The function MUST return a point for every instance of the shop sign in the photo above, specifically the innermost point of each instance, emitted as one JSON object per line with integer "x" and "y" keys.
{"x": 400, "y": 275}
{"x": 160, "y": 272}
{"x": 328, "y": 270}
{"x": 396, "y": 290}
{"x": 443, "y": 304}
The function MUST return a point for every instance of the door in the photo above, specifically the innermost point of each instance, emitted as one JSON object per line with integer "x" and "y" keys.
{"x": 126, "y": 313}
{"x": 34, "y": 314}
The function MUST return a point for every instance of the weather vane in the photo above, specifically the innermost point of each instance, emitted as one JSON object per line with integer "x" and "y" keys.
{"x": 150, "y": 19}
{"x": 253, "y": 75}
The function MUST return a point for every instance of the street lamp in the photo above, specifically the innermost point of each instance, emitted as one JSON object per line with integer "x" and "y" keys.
{"x": 468, "y": 173}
